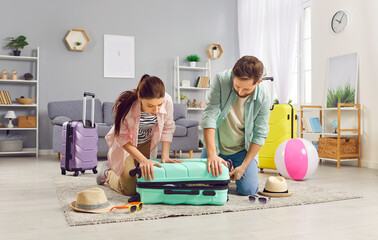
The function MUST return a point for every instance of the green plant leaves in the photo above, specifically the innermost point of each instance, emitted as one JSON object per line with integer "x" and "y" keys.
{"x": 19, "y": 42}
{"x": 342, "y": 94}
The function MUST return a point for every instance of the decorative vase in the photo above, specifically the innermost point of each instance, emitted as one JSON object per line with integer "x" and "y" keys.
{"x": 192, "y": 64}
{"x": 16, "y": 52}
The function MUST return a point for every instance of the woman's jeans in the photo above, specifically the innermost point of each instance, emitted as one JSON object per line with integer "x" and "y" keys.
{"x": 248, "y": 184}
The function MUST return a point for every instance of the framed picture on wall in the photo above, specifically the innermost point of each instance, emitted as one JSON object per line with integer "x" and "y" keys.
{"x": 119, "y": 56}
{"x": 342, "y": 80}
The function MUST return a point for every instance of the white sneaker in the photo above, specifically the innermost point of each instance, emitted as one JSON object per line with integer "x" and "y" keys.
{"x": 102, "y": 173}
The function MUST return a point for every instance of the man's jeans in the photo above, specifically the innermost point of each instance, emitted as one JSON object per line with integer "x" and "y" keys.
{"x": 248, "y": 184}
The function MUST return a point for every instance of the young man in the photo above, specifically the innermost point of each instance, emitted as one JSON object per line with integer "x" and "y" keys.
{"x": 235, "y": 122}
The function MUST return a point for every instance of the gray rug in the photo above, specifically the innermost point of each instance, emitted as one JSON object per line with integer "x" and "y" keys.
{"x": 68, "y": 186}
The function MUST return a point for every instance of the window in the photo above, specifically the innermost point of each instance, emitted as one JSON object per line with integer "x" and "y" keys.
{"x": 301, "y": 89}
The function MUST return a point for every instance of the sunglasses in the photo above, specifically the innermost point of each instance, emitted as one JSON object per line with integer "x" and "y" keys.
{"x": 260, "y": 199}
{"x": 132, "y": 209}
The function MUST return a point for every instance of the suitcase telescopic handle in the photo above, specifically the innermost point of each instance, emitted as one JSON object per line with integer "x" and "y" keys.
{"x": 85, "y": 108}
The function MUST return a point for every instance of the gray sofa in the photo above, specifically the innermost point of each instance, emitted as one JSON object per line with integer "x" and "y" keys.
{"x": 185, "y": 137}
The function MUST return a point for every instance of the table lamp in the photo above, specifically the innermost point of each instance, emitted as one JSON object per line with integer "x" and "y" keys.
{"x": 10, "y": 115}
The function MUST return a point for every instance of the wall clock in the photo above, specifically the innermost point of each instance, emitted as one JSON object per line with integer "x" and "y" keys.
{"x": 339, "y": 21}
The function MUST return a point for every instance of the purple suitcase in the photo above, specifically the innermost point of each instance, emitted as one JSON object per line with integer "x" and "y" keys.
{"x": 79, "y": 143}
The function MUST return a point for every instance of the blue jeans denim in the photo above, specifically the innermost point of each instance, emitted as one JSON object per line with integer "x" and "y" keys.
{"x": 249, "y": 183}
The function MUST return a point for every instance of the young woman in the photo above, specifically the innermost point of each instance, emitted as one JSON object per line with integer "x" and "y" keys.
{"x": 143, "y": 118}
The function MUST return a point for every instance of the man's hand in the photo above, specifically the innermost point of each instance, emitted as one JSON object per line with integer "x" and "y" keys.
{"x": 147, "y": 169}
{"x": 214, "y": 164}
{"x": 237, "y": 173}
{"x": 169, "y": 160}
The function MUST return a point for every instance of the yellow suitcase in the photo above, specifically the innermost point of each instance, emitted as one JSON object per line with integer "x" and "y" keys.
{"x": 282, "y": 126}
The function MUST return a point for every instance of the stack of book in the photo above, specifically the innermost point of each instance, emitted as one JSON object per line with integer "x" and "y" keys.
{"x": 312, "y": 125}
{"x": 5, "y": 97}
{"x": 202, "y": 82}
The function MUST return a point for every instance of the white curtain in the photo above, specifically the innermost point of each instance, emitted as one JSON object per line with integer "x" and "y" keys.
{"x": 250, "y": 26}
{"x": 283, "y": 18}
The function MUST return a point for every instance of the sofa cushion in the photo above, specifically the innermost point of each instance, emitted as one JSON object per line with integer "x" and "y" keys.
{"x": 73, "y": 109}
{"x": 179, "y": 111}
{"x": 60, "y": 120}
{"x": 103, "y": 130}
{"x": 107, "y": 108}
{"x": 187, "y": 122}
{"x": 180, "y": 131}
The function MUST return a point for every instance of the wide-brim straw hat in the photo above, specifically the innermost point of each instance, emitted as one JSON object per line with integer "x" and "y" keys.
{"x": 276, "y": 187}
{"x": 92, "y": 200}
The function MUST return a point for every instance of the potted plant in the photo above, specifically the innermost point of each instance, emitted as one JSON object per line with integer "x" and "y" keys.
{"x": 215, "y": 51}
{"x": 17, "y": 43}
{"x": 77, "y": 45}
{"x": 192, "y": 59}
{"x": 183, "y": 97}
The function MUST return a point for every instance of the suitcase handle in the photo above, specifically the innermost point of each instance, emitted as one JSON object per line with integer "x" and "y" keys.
{"x": 85, "y": 108}
{"x": 89, "y": 94}
{"x": 171, "y": 192}
{"x": 136, "y": 171}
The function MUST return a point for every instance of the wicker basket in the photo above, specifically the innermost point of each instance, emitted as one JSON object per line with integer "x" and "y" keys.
{"x": 328, "y": 147}
{"x": 11, "y": 145}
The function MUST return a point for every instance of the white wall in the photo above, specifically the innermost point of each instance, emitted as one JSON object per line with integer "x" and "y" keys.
{"x": 162, "y": 29}
{"x": 360, "y": 36}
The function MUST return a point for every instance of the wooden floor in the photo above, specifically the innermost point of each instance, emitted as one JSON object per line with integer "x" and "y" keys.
{"x": 30, "y": 209}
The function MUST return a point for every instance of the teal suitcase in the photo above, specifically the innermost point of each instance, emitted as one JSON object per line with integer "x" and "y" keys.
{"x": 184, "y": 183}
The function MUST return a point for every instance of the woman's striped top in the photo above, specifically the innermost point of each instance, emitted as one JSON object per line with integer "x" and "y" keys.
{"x": 146, "y": 123}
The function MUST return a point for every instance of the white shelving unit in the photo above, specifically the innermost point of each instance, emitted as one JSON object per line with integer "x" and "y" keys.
{"x": 34, "y": 65}
{"x": 202, "y": 71}
{"x": 348, "y": 131}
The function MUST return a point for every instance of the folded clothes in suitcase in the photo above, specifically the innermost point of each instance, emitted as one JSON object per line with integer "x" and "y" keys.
{"x": 188, "y": 182}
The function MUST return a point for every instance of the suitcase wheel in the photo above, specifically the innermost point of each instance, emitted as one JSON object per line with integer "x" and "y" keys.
{"x": 82, "y": 171}
{"x": 135, "y": 198}
{"x": 63, "y": 171}
{"x": 261, "y": 170}
{"x": 94, "y": 170}
{"x": 76, "y": 173}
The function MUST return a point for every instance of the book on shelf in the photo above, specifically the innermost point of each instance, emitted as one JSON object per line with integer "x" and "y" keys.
{"x": 203, "y": 82}
{"x": 315, "y": 125}
{"x": 306, "y": 128}
{"x": 3, "y": 97}
{"x": 2, "y": 101}
{"x": 8, "y": 97}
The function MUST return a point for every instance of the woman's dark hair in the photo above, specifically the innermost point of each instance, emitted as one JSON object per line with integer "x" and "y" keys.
{"x": 149, "y": 87}
{"x": 248, "y": 67}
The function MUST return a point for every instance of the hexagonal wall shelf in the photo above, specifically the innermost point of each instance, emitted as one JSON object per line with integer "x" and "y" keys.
{"x": 214, "y": 51}
{"x": 77, "y": 40}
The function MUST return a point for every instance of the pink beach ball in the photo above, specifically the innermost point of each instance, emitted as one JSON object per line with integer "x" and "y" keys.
{"x": 296, "y": 158}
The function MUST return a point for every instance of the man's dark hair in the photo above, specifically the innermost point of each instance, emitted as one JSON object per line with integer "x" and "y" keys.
{"x": 248, "y": 67}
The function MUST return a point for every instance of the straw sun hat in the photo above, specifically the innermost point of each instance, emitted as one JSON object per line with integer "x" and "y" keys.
{"x": 276, "y": 187}
{"x": 92, "y": 200}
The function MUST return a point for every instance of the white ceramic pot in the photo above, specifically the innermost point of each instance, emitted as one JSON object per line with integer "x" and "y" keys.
{"x": 192, "y": 64}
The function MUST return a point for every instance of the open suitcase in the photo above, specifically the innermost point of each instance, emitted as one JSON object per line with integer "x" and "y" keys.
{"x": 79, "y": 143}
{"x": 282, "y": 126}
{"x": 184, "y": 183}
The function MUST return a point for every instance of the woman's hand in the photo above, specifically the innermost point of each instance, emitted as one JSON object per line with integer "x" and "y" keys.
{"x": 147, "y": 169}
{"x": 167, "y": 159}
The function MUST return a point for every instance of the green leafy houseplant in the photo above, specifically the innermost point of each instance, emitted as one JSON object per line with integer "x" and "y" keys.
{"x": 192, "y": 58}
{"x": 183, "y": 96}
{"x": 17, "y": 43}
{"x": 277, "y": 102}
{"x": 342, "y": 94}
